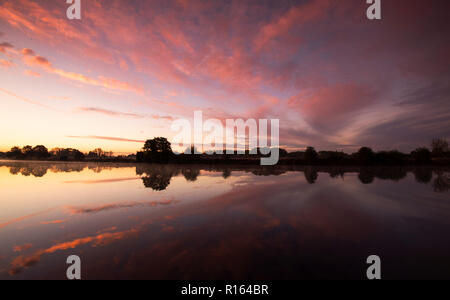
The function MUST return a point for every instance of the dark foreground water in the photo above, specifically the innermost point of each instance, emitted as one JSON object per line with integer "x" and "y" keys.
{"x": 200, "y": 222}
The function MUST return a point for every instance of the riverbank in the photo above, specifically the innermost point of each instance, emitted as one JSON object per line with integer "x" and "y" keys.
{"x": 249, "y": 160}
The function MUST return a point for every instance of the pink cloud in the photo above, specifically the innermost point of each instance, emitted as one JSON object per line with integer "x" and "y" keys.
{"x": 6, "y": 63}
{"x": 157, "y": 117}
{"x": 22, "y": 247}
{"x": 110, "y": 112}
{"x": 32, "y": 73}
{"x": 20, "y": 219}
{"x": 38, "y": 61}
{"x": 28, "y": 52}
{"x": 4, "y": 46}
{"x": 116, "y": 139}
{"x": 53, "y": 222}
{"x": 123, "y": 114}
{"x": 312, "y": 11}
{"x": 24, "y": 99}
{"x": 32, "y": 59}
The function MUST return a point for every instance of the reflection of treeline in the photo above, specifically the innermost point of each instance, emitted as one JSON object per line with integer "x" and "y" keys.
{"x": 159, "y": 150}
{"x": 158, "y": 176}
{"x": 63, "y": 154}
{"x": 39, "y": 169}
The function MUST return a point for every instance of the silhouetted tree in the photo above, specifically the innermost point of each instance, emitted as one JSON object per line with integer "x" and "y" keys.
{"x": 96, "y": 153}
{"x": 140, "y": 156}
{"x": 76, "y": 154}
{"x": 40, "y": 152}
{"x": 310, "y": 154}
{"x": 158, "y": 145}
{"x": 157, "y": 150}
{"x": 68, "y": 154}
{"x": 99, "y": 154}
{"x": 283, "y": 152}
{"x": 365, "y": 155}
{"x": 27, "y": 151}
{"x": 332, "y": 157}
{"x": 393, "y": 158}
{"x": 421, "y": 156}
{"x": 439, "y": 147}
{"x": 15, "y": 153}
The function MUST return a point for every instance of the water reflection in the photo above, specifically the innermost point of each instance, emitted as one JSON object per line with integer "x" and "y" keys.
{"x": 311, "y": 175}
{"x": 158, "y": 177}
{"x": 442, "y": 182}
{"x": 222, "y": 222}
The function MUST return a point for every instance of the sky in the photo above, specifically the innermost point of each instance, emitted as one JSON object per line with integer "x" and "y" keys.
{"x": 127, "y": 69}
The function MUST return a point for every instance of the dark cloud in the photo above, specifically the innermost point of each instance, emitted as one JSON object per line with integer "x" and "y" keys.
{"x": 426, "y": 115}
{"x": 431, "y": 94}
{"x": 4, "y": 46}
{"x": 406, "y": 133}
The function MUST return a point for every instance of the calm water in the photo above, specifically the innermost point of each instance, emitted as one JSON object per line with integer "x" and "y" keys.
{"x": 194, "y": 222}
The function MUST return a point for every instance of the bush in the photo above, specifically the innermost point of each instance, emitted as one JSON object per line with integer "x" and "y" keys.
{"x": 421, "y": 156}
{"x": 390, "y": 158}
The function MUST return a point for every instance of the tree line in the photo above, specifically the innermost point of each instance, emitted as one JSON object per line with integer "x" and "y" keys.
{"x": 41, "y": 152}
{"x": 159, "y": 150}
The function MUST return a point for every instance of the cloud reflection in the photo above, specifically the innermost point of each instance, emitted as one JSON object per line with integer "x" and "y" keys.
{"x": 103, "y": 239}
{"x": 106, "y": 207}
